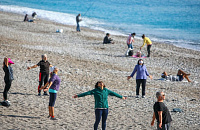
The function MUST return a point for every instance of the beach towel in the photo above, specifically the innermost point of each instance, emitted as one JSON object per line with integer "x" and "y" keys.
{"x": 135, "y": 56}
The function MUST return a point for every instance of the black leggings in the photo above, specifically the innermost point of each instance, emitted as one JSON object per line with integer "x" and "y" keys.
{"x": 43, "y": 77}
{"x": 6, "y": 89}
{"x": 138, "y": 82}
{"x": 148, "y": 50}
{"x": 52, "y": 99}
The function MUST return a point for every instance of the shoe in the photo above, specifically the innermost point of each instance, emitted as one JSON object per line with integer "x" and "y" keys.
{"x": 46, "y": 94}
{"x": 137, "y": 96}
{"x": 48, "y": 116}
{"x": 39, "y": 94}
{"x": 7, "y": 101}
{"x": 53, "y": 118}
{"x": 143, "y": 96}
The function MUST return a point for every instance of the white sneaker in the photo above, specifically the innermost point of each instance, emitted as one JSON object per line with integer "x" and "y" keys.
{"x": 137, "y": 96}
{"x": 143, "y": 96}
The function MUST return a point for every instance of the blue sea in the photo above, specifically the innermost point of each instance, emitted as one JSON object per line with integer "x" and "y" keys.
{"x": 167, "y": 21}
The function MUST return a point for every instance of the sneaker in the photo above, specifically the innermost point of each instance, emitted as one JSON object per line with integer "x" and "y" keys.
{"x": 137, "y": 96}
{"x": 53, "y": 118}
{"x": 48, "y": 116}
{"x": 39, "y": 94}
{"x": 143, "y": 96}
{"x": 46, "y": 94}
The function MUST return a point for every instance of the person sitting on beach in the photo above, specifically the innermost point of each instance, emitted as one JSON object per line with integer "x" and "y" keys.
{"x": 180, "y": 76}
{"x": 34, "y": 15}
{"x": 139, "y": 54}
{"x": 101, "y": 94}
{"x": 26, "y": 19}
{"x": 107, "y": 40}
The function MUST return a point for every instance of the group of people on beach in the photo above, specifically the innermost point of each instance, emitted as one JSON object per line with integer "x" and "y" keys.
{"x": 26, "y": 19}
{"x": 100, "y": 92}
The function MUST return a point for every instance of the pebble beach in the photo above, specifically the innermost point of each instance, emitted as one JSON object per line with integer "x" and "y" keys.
{"x": 83, "y": 60}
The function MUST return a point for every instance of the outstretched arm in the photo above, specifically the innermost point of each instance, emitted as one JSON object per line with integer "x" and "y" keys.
{"x": 83, "y": 94}
{"x": 28, "y": 68}
{"x": 116, "y": 95}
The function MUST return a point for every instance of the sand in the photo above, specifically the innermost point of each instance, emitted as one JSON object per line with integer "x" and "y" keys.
{"x": 83, "y": 60}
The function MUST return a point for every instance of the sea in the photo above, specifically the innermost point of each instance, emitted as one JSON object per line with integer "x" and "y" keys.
{"x": 174, "y": 22}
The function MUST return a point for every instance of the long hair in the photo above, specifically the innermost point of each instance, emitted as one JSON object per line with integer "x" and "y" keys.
{"x": 96, "y": 85}
{"x": 139, "y": 61}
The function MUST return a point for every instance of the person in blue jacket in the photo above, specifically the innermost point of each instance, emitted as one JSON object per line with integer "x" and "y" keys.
{"x": 141, "y": 77}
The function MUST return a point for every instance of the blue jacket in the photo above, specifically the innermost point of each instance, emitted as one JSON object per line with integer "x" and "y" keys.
{"x": 141, "y": 72}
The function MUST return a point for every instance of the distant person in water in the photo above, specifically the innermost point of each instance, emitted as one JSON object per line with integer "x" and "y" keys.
{"x": 180, "y": 76}
{"x": 147, "y": 41}
{"x": 107, "y": 40}
{"x": 26, "y": 19}
{"x": 34, "y": 15}
{"x": 78, "y": 19}
{"x": 101, "y": 94}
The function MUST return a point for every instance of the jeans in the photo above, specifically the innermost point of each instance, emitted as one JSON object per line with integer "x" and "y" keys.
{"x": 148, "y": 50}
{"x": 98, "y": 114}
{"x": 138, "y": 82}
{"x": 78, "y": 27}
{"x": 6, "y": 89}
{"x": 130, "y": 46}
{"x": 164, "y": 126}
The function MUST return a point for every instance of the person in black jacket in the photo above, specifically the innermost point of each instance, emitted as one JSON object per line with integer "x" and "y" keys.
{"x": 78, "y": 19}
{"x": 8, "y": 78}
{"x": 107, "y": 40}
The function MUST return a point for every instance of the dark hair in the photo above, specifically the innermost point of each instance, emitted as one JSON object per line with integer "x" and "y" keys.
{"x": 107, "y": 34}
{"x": 133, "y": 33}
{"x": 139, "y": 61}
{"x": 143, "y": 36}
{"x": 96, "y": 85}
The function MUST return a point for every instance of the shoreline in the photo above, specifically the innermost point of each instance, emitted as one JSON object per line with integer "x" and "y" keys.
{"x": 83, "y": 60}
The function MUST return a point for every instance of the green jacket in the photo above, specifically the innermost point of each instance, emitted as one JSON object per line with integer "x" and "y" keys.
{"x": 100, "y": 96}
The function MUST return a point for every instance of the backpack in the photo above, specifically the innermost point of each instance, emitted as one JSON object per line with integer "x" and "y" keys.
{"x": 6, "y": 104}
{"x": 130, "y": 53}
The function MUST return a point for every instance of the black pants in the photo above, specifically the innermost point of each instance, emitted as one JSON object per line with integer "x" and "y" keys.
{"x": 6, "y": 89}
{"x": 138, "y": 82}
{"x": 148, "y": 50}
{"x": 43, "y": 78}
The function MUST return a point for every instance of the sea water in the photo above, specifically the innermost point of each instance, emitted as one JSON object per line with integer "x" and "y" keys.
{"x": 167, "y": 21}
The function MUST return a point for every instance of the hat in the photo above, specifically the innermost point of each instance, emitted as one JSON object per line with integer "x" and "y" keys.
{"x": 10, "y": 61}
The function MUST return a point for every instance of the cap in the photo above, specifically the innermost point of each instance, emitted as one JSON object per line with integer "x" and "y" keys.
{"x": 10, "y": 61}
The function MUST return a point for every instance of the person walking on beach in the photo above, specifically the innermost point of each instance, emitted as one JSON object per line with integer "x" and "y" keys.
{"x": 78, "y": 19}
{"x": 101, "y": 103}
{"x": 161, "y": 113}
{"x": 44, "y": 72}
{"x": 141, "y": 77}
{"x": 147, "y": 41}
{"x": 130, "y": 40}
{"x": 8, "y": 78}
{"x": 107, "y": 40}
{"x": 54, "y": 85}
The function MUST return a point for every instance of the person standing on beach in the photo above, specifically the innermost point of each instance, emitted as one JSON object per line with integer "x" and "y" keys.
{"x": 78, "y": 19}
{"x": 149, "y": 43}
{"x": 101, "y": 103}
{"x": 44, "y": 72}
{"x": 54, "y": 85}
{"x": 130, "y": 40}
{"x": 141, "y": 77}
{"x": 8, "y": 78}
{"x": 161, "y": 113}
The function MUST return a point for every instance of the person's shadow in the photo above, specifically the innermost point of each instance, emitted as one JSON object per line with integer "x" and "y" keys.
{"x": 20, "y": 116}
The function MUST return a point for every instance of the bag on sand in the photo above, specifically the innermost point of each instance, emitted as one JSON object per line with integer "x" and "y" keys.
{"x": 130, "y": 53}
{"x": 6, "y": 104}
